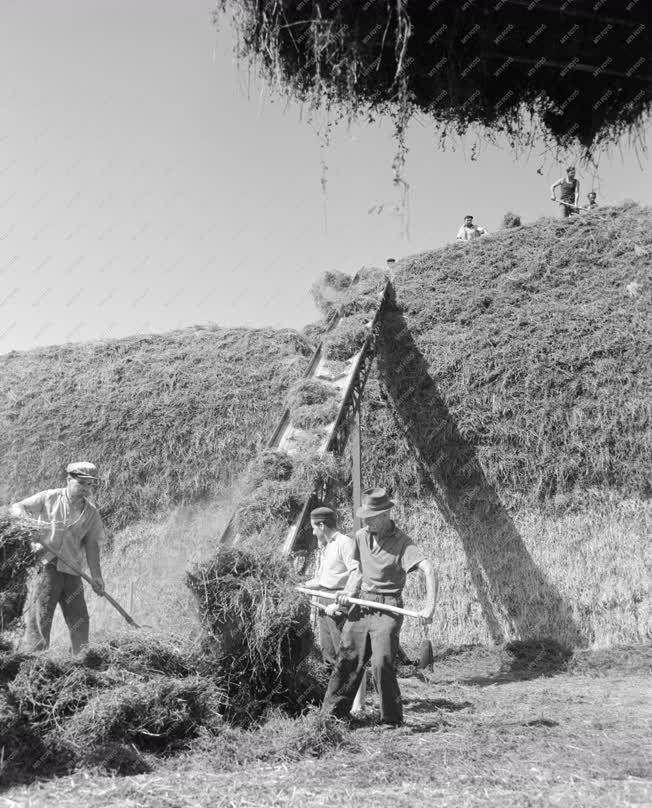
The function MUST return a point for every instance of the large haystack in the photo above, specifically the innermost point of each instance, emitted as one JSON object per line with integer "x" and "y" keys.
{"x": 510, "y": 415}
{"x": 170, "y": 419}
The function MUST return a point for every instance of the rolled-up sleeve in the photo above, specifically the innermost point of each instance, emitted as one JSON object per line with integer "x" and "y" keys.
{"x": 33, "y": 506}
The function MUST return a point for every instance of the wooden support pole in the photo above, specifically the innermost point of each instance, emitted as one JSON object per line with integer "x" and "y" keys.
{"x": 356, "y": 451}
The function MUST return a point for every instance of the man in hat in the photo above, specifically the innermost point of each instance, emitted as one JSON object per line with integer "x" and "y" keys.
{"x": 73, "y": 528}
{"x": 386, "y": 555}
{"x": 336, "y": 563}
{"x": 468, "y": 231}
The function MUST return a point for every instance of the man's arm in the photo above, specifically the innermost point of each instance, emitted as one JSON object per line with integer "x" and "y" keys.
{"x": 482, "y": 230}
{"x": 552, "y": 189}
{"x": 432, "y": 589}
{"x": 460, "y": 233}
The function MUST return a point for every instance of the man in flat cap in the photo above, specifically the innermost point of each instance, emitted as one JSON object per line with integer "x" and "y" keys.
{"x": 73, "y": 528}
{"x": 386, "y": 555}
{"x": 336, "y": 563}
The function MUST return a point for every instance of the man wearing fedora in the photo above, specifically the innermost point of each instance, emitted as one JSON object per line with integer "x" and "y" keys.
{"x": 73, "y": 528}
{"x": 386, "y": 555}
{"x": 336, "y": 563}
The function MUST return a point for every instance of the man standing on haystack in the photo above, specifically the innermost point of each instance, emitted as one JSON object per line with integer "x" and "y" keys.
{"x": 73, "y": 524}
{"x": 569, "y": 193}
{"x": 336, "y": 563}
{"x": 469, "y": 231}
{"x": 386, "y": 555}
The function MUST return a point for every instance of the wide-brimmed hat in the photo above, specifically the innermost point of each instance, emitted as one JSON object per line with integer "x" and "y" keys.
{"x": 82, "y": 470}
{"x": 374, "y": 501}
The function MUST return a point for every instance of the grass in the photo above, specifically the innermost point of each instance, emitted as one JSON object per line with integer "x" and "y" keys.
{"x": 169, "y": 419}
{"x": 574, "y": 739}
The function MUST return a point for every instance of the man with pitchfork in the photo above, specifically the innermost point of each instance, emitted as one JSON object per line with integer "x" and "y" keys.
{"x": 386, "y": 555}
{"x": 72, "y": 527}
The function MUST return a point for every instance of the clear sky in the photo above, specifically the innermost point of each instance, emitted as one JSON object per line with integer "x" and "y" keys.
{"x": 147, "y": 182}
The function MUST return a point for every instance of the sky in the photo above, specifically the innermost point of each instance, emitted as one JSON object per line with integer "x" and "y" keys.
{"x": 148, "y": 182}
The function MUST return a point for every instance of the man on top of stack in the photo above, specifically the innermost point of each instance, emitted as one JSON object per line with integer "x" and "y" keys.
{"x": 468, "y": 231}
{"x": 73, "y": 527}
{"x": 569, "y": 193}
{"x": 386, "y": 555}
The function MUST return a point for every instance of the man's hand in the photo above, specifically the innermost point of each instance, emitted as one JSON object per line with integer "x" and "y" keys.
{"x": 98, "y": 585}
{"x": 332, "y": 609}
{"x": 425, "y": 615}
{"x": 342, "y": 599}
{"x": 554, "y": 198}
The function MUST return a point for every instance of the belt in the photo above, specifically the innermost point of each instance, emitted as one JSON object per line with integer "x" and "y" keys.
{"x": 393, "y": 600}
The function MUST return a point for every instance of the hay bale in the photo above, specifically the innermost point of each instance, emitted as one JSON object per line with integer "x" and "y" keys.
{"x": 16, "y": 560}
{"x": 327, "y": 290}
{"x": 347, "y": 339}
{"x": 256, "y": 629}
{"x": 155, "y": 715}
{"x": 363, "y": 296}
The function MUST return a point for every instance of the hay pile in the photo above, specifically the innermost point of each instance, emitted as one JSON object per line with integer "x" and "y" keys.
{"x": 256, "y": 630}
{"x": 108, "y": 708}
{"x": 16, "y": 559}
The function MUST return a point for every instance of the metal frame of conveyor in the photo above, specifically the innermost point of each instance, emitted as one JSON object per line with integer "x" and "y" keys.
{"x": 347, "y": 416}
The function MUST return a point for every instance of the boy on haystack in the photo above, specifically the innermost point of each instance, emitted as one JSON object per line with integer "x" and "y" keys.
{"x": 386, "y": 555}
{"x": 73, "y": 523}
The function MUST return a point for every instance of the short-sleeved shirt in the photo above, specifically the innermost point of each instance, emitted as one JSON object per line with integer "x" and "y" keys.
{"x": 52, "y": 507}
{"x": 337, "y": 562}
{"x": 385, "y": 564}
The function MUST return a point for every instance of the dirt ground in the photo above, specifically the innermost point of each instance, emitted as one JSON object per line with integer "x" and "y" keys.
{"x": 476, "y": 735}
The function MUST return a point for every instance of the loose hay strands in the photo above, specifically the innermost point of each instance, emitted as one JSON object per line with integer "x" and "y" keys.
{"x": 347, "y": 339}
{"x": 458, "y": 65}
{"x": 327, "y": 290}
{"x": 138, "y": 693}
{"x": 257, "y": 630}
{"x": 16, "y": 559}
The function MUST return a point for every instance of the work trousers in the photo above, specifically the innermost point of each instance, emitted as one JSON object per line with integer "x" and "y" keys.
{"x": 47, "y": 588}
{"x": 330, "y": 632}
{"x": 367, "y": 634}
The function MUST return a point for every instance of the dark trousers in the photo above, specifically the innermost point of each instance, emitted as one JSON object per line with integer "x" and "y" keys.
{"x": 367, "y": 634}
{"x": 330, "y": 631}
{"x": 47, "y": 588}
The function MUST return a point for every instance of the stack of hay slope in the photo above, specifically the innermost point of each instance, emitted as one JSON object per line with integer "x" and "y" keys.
{"x": 170, "y": 419}
{"x": 511, "y": 417}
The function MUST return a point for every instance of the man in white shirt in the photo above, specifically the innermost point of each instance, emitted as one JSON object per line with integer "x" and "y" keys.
{"x": 469, "y": 231}
{"x": 336, "y": 562}
{"x": 73, "y": 527}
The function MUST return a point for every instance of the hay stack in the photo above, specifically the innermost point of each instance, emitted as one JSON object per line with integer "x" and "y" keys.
{"x": 257, "y": 631}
